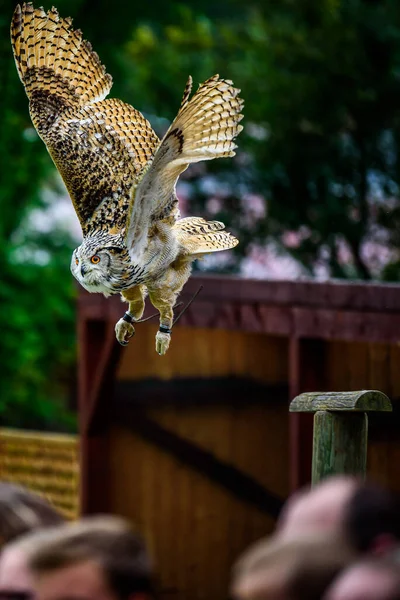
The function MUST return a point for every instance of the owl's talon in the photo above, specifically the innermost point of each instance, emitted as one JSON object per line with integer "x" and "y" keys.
{"x": 124, "y": 331}
{"x": 162, "y": 342}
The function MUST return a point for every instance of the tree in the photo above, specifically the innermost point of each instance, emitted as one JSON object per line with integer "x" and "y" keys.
{"x": 322, "y": 90}
{"x": 37, "y": 346}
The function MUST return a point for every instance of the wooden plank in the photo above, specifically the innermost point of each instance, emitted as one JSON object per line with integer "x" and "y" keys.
{"x": 340, "y": 295}
{"x": 224, "y": 474}
{"x": 192, "y": 516}
{"x": 219, "y": 353}
{"x": 294, "y": 309}
{"x": 379, "y": 368}
{"x": 94, "y": 469}
{"x": 307, "y": 372}
{"x": 97, "y": 362}
{"x": 331, "y": 324}
{"x": 205, "y": 353}
{"x": 355, "y": 360}
{"x": 97, "y": 401}
{"x": 339, "y": 444}
{"x": 238, "y": 355}
{"x": 338, "y": 366}
{"x": 393, "y": 461}
{"x": 378, "y": 462}
{"x": 192, "y": 391}
{"x": 394, "y": 371}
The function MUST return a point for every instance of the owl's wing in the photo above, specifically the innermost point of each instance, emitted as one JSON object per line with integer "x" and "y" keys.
{"x": 99, "y": 146}
{"x": 205, "y": 128}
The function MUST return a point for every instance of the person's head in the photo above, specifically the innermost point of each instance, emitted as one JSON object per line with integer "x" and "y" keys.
{"x": 371, "y": 519}
{"x": 96, "y": 558}
{"x": 298, "y": 568}
{"x": 321, "y": 508}
{"x": 347, "y": 517}
{"x": 21, "y": 511}
{"x": 367, "y": 514}
{"x": 366, "y": 580}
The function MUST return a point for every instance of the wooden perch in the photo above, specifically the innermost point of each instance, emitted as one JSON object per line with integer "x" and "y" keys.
{"x": 340, "y": 437}
{"x": 364, "y": 401}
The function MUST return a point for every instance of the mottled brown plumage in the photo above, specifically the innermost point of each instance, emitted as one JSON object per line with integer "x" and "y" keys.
{"x": 120, "y": 177}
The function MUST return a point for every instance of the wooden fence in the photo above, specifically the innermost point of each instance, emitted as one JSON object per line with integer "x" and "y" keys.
{"x": 45, "y": 463}
{"x": 198, "y": 447}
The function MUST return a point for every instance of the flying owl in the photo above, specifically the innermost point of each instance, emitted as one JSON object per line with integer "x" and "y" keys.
{"x": 120, "y": 176}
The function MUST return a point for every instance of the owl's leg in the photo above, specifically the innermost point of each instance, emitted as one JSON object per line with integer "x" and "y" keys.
{"x": 124, "y": 329}
{"x": 163, "y": 297}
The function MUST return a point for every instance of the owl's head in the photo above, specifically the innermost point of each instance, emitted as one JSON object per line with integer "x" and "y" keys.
{"x": 101, "y": 264}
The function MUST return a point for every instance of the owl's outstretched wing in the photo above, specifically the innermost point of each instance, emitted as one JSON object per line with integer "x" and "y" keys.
{"x": 99, "y": 146}
{"x": 205, "y": 128}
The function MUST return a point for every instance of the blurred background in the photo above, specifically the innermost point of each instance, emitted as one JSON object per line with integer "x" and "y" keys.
{"x": 312, "y": 192}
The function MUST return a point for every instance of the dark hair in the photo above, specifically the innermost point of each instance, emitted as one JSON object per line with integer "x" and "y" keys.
{"x": 110, "y": 541}
{"x": 21, "y": 511}
{"x": 371, "y": 511}
{"x": 310, "y": 581}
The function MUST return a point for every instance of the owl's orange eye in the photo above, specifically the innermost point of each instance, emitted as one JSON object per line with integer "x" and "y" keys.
{"x": 77, "y": 261}
{"x": 95, "y": 259}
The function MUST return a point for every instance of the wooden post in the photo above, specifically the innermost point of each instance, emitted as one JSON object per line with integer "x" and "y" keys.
{"x": 340, "y": 436}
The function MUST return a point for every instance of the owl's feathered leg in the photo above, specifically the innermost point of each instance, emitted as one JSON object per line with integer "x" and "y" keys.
{"x": 163, "y": 296}
{"x": 124, "y": 329}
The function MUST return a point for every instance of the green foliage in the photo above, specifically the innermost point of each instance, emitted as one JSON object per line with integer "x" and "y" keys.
{"x": 37, "y": 346}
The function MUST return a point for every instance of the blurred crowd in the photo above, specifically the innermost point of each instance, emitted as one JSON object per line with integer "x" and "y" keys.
{"x": 339, "y": 540}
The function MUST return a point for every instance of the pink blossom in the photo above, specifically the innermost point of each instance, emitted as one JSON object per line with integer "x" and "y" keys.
{"x": 291, "y": 239}
{"x": 213, "y": 205}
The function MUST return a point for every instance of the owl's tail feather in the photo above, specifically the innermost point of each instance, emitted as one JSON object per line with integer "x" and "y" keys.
{"x": 56, "y": 65}
{"x": 208, "y": 123}
{"x": 198, "y": 236}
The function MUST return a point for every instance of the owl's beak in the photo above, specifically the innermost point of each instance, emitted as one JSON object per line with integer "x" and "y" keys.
{"x": 83, "y": 270}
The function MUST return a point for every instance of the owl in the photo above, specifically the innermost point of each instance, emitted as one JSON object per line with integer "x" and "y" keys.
{"x": 121, "y": 178}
